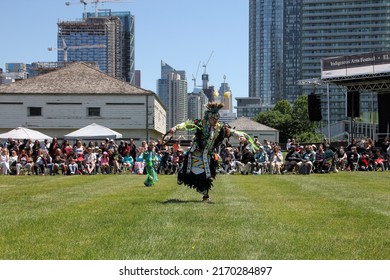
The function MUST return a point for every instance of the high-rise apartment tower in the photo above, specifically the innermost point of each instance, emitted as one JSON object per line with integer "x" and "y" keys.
{"x": 107, "y": 39}
{"x": 172, "y": 91}
{"x": 288, "y": 39}
{"x": 337, "y": 28}
{"x": 274, "y": 49}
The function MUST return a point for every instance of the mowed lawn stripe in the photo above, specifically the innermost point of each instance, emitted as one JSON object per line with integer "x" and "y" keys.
{"x": 330, "y": 216}
{"x": 52, "y": 216}
{"x": 320, "y": 217}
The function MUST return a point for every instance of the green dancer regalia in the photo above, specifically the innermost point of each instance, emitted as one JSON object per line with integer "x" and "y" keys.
{"x": 200, "y": 163}
{"x": 150, "y": 157}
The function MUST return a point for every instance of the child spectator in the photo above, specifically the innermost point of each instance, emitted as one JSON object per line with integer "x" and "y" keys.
{"x": 128, "y": 161}
{"x": 80, "y": 164}
{"x": 90, "y": 161}
{"x": 139, "y": 164}
{"x": 104, "y": 162}
{"x": 378, "y": 160}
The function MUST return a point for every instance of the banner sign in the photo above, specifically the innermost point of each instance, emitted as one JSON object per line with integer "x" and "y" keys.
{"x": 353, "y": 65}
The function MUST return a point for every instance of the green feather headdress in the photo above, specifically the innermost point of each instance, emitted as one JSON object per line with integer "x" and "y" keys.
{"x": 212, "y": 109}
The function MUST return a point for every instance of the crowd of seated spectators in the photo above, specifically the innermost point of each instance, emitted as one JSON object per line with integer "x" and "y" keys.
{"x": 55, "y": 158}
{"x": 125, "y": 157}
{"x": 267, "y": 157}
{"x": 64, "y": 158}
{"x": 324, "y": 158}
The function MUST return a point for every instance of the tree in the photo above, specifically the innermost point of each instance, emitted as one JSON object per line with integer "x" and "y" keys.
{"x": 304, "y": 129}
{"x": 283, "y": 107}
{"x": 291, "y": 121}
{"x": 278, "y": 118}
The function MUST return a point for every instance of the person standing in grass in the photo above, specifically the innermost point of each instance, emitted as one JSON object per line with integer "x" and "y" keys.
{"x": 150, "y": 158}
{"x": 200, "y": 162}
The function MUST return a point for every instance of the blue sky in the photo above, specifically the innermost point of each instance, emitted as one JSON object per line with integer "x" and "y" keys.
{"x": 183, "y": 33}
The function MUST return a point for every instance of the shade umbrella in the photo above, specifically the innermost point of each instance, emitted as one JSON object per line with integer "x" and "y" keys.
{"x": 21, "y": 133}
{"x": 93, "y": 132}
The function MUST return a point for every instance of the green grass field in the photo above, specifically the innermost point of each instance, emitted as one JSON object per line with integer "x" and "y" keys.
{"x": 277, "y": 217}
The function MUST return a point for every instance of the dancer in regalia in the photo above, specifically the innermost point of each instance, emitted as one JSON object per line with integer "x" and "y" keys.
{"x": 201, "y": 160}
{"x": 151, "y": 158}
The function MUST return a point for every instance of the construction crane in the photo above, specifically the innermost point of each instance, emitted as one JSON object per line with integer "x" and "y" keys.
{"x": 205, "y": 64}
{"x": 196, "y": 75}
{"x": 81, "y": 2}
{"x": 65, "y": 48}
{"x": 205, "y": 76}
{"x": 95, "y": 3}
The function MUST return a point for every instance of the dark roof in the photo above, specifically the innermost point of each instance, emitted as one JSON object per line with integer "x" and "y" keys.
{"x": 77, "y": 78}
{"x": 246, "y": 124}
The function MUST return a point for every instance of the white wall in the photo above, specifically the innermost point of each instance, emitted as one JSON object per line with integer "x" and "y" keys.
{"x": 62, "y": 114}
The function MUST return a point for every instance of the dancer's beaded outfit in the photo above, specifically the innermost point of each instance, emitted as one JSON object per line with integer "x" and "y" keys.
{"x": 200, "y": 164}
{"x": 150, "y": 158}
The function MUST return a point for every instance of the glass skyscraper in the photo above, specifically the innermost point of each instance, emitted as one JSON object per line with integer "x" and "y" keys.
{"x": 265, "y": 49}
{"x": 107, "y": 39}
{"x": 127, "y": 41}
{"x": 172, "y": 91}
{"x": 337, "y": 28}
{"x": 288, "y": 39}
{"x": 274, "y": 54}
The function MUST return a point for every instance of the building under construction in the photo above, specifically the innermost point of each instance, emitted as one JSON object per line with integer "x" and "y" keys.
{"x": 40, "y": 68}
{"x": 106, "y": 39}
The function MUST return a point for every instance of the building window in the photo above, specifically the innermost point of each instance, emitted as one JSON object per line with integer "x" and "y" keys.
{"x": 93, "y": 112}
{"x": 34, "y": 111}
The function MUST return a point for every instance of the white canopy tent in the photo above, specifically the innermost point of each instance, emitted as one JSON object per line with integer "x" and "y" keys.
{"x": 22, "y": 133}
{"x": 93, "y": 132}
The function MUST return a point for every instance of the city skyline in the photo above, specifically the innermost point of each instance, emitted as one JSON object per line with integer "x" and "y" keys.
{"x": 185, "y": 34}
